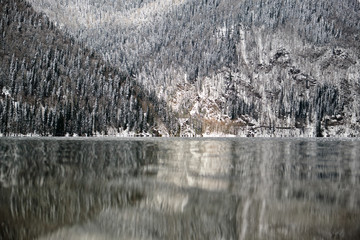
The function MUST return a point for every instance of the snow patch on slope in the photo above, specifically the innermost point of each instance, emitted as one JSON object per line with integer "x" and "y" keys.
{"x": 90, "y": 15}
{"x": 6, "y": 92}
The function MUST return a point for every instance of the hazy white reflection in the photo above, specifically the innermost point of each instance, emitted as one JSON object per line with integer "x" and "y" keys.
{"x": 199, "y": 164}
{"x": 179, "y": 189}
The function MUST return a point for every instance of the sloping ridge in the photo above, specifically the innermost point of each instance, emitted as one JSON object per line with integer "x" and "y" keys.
{"x": 247, "y": 68}
{"x": 52, "y": 85}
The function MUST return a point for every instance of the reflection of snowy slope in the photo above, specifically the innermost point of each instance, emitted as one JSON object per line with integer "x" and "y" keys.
{"x": 241, "y": 189}
{"x": 199, "y": 166}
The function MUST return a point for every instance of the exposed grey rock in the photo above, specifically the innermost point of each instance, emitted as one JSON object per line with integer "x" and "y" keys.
{"x": 285, "y": 64}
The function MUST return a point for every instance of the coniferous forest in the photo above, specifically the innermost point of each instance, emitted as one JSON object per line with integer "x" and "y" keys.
{"x": 180, "y": 67}
{"x": 53, "y": 85}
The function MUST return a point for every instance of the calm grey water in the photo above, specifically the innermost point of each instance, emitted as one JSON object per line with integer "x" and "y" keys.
{"x": 53, "y": 188}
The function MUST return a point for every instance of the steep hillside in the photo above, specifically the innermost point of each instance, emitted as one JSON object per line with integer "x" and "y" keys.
{"x": 51, "y": 84}
{"x": 249, "y": 68}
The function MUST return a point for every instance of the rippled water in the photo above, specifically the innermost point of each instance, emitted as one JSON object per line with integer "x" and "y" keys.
{"x": 179, "y": 188}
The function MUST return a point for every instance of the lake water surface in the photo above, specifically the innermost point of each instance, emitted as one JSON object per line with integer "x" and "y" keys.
{"x": 101, "y": 188}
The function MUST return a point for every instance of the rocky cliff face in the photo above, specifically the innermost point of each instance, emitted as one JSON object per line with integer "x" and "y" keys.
{"x": 248, "y": 68}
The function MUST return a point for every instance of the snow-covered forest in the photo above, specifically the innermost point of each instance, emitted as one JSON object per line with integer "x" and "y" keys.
{"x": 53, "y": 85}
{"x": 180, "y": 67}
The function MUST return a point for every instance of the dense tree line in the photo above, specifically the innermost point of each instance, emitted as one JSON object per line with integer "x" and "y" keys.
{"x": 52, "y": 85}
{"x": 262, "y": 63}
{"x": 263, "y": 59}
{"x": 198, "y": 37}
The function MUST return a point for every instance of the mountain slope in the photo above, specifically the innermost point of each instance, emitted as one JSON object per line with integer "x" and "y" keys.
{"x": 53, "y": 85}
{"x": 248, "y": 68}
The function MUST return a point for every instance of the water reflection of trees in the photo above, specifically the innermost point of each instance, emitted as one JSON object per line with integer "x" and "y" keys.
{"x": 46, "y": 184}
{"x": 270, "y": 189}
{"x": 181, "y": 189}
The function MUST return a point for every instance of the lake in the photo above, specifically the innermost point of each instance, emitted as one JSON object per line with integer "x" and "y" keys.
{"x": 236, "y": 188}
